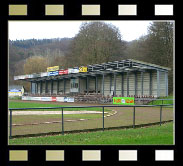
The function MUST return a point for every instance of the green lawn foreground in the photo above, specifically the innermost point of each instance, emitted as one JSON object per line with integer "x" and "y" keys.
{"x": 154, "y": 135}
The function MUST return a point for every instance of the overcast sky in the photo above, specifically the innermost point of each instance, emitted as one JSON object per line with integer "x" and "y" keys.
{"x": 19, "y": 30}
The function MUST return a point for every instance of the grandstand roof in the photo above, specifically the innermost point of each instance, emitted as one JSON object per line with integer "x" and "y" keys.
{"x": 107, "y": 68}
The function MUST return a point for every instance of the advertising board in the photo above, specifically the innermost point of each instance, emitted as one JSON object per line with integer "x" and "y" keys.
{"x": 124, "y": 100}
{"x": 44, "y": 74}
{"x": 61, "y": 72}
{"x": 73, "y": 70}
{"x": 54, "y": 68}
{"x": 83, "y": 69}
{"x": 53, "y": 73}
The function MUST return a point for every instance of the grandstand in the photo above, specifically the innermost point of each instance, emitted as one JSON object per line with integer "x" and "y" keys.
{"x": 100, "y": 81}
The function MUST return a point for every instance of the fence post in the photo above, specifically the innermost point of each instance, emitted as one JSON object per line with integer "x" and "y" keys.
{"x": 160, "y": 114}
{"x": 162, "y": 101}
{"x": 103, "y": 118}
{"x": 152, "y": 102}
{"x": 62, "y": 121}
{"x": 134, "y": 117}
{"x": 10, "y": 136}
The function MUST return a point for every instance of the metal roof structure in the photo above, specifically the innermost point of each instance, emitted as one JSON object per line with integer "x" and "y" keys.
{"x": 129, "y": 65}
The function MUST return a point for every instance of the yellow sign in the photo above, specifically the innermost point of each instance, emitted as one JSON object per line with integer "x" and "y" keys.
{"x": 54, "y": 68}
{"x": 83, "y": 69}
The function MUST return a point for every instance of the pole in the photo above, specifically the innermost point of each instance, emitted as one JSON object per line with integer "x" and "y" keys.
{"x": 103, "y": 118}
{"x": 134, "y": 117}
{"x": 62, "y": 121}
{"x": 10, "y": 136}
{"x": 160, "y": 114}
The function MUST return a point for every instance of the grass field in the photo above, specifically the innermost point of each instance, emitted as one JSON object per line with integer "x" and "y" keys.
{"x": 158, "y": 102}
{"x": 154, "y": 135}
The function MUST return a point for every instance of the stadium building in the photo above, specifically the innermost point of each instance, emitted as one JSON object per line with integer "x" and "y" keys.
{"x": 119, "y": 78}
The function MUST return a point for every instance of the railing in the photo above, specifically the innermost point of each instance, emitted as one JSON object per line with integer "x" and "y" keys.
{"x": 103, "y": 109}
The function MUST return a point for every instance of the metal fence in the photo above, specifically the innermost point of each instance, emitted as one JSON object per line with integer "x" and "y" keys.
{"x": 133, "y": 123}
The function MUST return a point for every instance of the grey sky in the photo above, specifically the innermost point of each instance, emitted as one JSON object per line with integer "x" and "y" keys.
{"x": 130, "y": 30}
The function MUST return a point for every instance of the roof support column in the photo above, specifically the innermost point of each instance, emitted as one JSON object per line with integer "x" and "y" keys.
{"x": 40, "y": 87}
{"x": 87, "y": 84}
{"x": 110, "y": 83}
{"x": 158, "y": 84}
{"x": 122, "y": 84}
{"x": 127, "y": 84}
{"x": 31, "y": 87}
{"x": 46, "y": 86}
{"x": 51, "y": 87}
{"x": 150, "y": 83}
{"x": 96, "y": 84}
{"x": 79, "y": 87}
{"x": 57, "y": 86}
{"x": 166, "y": 83}
{"x": 64, "y": 85}
{"x": 142, "y": 83}
{"x": 36, "y": 87}
{"x": 114, "y": 84}
{"x": 135, "y": 83}
{"x": 103, "y": 84}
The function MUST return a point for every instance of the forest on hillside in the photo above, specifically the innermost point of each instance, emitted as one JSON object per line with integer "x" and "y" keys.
{"x": 96, "y": 42}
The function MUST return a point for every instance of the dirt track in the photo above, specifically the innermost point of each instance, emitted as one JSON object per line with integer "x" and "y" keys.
{"x": 123, "y": 117}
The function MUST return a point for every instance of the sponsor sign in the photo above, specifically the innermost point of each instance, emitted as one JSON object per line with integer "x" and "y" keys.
{"x": 124, "y": 100}
{"x": 36, "y": 98}
{"x": 46, "y": 98}
{"x": 69, "y": 99}
{"x": 60, "y": 99}
{"x": 53, "y": 98}
{"x": 44, "y": 74}
{"x": 61, "y": 72}
{"x": 18, "y": 93}
{"x": 83, "y": 69}
{"x": 53, "y": 73}
{"x": 26, "y": 98}
{"x": 73, "y": 70}
{"x": 54, "y": 68}
{"x": 65, "y": 99}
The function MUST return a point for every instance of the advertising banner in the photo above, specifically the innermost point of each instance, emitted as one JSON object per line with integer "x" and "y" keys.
{"x": 53, "y": 98}
{"x": 36, "y": 98}
{"x": 124, "y": 100}
{"x": 60, "y": 99}
{"x": 44, "y": 74}
{"x": 53, "y": 73}
{"x": 46, "y": 98}
{"x": 61, "y": 72}
{"x": 83, "y": 69}
{"x": 69, "y": 99}
{"x": 73, "y": 70}
{"x": 54, "y": 68}
{"x": 15, "y": 93}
